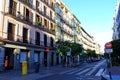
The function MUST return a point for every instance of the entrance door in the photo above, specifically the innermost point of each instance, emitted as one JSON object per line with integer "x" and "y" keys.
{"x": 52, "y": 56}
{"x": 45, "y": 59}
{"x": 10, "y": 57}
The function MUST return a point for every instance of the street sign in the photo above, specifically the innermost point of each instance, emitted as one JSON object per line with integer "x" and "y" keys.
{"x": 108, "y": 51}
{"x": 108, "y": 48}
{"x": 68, "y": 53}
{"x": 47, "y": 49}
{"x": 108, "y": 45}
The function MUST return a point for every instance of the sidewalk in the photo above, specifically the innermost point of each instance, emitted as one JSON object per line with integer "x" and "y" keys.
{"x": 115, "y": 73}
{"x": 43, "y": 72}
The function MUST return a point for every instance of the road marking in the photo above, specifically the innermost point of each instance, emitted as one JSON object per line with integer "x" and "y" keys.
{"x": 95, "y": 68}
{"x": 89, "y": 73}
{"x": 83, "y": 71}
{"x": 78, "y": 70}
{"x": 99, "y": 72}
{"x": 68, "y": 71}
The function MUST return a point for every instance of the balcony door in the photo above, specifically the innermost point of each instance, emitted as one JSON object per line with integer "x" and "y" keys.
{"x": 51, "y": 42}
{"x": 11, "y": 31}
{"x": 13, "y": 7}
{"x": 45, "y": 40}
{"x": 25, "y": 35}
{"x": 37, "y": 38}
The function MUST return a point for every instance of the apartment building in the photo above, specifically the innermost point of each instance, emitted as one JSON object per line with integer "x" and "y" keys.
{"x": 64, "y": 24}
{"x": 116, "y": 24}
{"x": 87, "y": 40}
{"x": 97, "y": 48}
{"x": 68, "y": 27}
{"x": 27, "y": 33}
{"x": 76, "y": 30}
{"x": 30, "y": 28}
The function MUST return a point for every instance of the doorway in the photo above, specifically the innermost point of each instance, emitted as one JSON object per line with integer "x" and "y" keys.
{"x": 52, "y": 58}
{"x": 45, "y": 59}
{"x": 9, "y": 56}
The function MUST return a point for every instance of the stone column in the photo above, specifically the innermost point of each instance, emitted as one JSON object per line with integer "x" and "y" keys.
{"x": 31, "y": 58}
{"x": 2, "y": 53}
{"x": 41, "y": 58}
{"x": 55, "y": 60}
{"x": 17, "y": 64}
{"x": 48, "y": 59}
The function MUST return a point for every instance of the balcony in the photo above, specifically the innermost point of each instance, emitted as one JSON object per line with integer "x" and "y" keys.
{"x": 50, "y": 6}
{"x": 19, "y": 40}
{"x": 59, "y": 24}
{"x": 26, "y": 2}
{"x": 45, "y": 15}
{"x": 67, "y": 32}
{"x": 27, "y": 21}
{"x": 44, "y": 28}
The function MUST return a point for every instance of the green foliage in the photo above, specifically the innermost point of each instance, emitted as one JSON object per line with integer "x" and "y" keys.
{"x": 116, "y": 47}
{"x": 116, "y": 52}
{"x": 64, "y": 46}
{"x": 91, "y": 53}
{"x": 85, "y": 55}
{"x": 27, "y": 1}
{"x": 38, "y": 23}
{"x": 76, "y": 49}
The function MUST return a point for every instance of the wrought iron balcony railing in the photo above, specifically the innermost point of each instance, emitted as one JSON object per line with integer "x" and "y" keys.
{"x": 17, "y": 39}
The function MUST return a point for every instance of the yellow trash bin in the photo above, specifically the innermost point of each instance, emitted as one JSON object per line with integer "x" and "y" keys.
{"x": 24, "y": 67}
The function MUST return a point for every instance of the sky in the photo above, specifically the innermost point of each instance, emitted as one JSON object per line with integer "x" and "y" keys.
{"x": 96, "y": 17}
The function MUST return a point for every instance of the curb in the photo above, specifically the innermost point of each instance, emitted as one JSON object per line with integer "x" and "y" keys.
{"x": 104, "y": 76}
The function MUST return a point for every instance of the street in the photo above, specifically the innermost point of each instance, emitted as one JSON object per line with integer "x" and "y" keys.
{"x": 91, "y": 71}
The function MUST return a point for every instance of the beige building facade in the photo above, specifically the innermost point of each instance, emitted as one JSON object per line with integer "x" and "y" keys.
{"x": 64, "y": 27}
{"x": 30, "y": 28}
{"x": 27, "y": 30}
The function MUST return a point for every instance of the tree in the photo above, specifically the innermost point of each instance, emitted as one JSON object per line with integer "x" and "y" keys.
{"x": 116, "y": 52}
{"x": 64, "y": 46}
{"x": 116, "y": 47}
{"x": 76, "y": 49}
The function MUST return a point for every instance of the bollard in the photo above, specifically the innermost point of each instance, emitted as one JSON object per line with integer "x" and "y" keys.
{"x": 36, "y": 67}
{"x": 24, "y": 67}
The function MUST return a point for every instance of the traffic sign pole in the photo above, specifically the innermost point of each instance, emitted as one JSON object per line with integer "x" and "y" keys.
{"x": 109, "y": 50}
{"x": 110, "y": 67}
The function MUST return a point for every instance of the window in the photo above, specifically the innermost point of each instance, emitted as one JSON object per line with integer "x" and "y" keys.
{"x": 45, "y": 40}
{"x": 44, "y": 10}
{"x": 45, "y": 23}
{"x": 13, "y": 7}
{"x": 28, "y": 15}
{"x": 52, "y": 27}
{"x": 37, "y": 38}
{"x": 46, "y": 1}
{"x": 37, "y": 4}
{"x": 25, "y": 35}
{"x": 50, "y": 14}
{"x": 11, "y": 31}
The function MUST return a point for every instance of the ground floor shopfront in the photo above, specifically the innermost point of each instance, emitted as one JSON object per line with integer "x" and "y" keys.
{"x": 16, "y": 54}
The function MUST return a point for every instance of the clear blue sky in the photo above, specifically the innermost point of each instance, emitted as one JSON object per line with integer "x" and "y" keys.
{"x": 96, "y": 17}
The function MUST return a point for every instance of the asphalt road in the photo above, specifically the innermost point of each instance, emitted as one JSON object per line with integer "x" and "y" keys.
{"x": 91, "y": 71}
